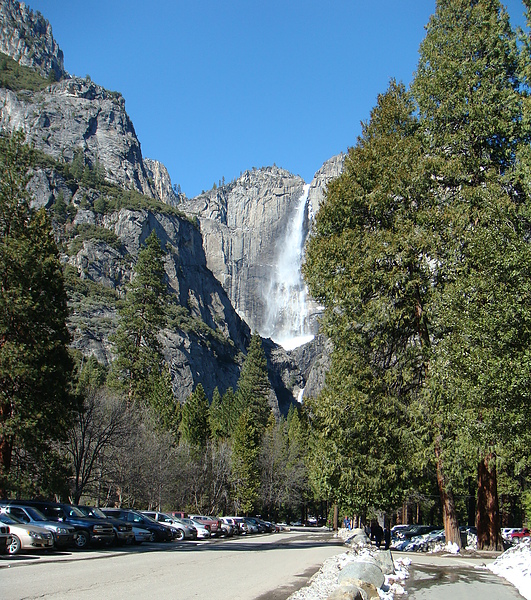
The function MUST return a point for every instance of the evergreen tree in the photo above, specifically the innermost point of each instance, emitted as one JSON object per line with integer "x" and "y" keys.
{"x": 469, "y": 91}
{"x": 36, "y": 407}
{"x": 254, "y": 388}
{"x": 165, "y": 408}
{"x": 139, "y": 355}
{"x": 194, "y": 428}
{"x": 364, "y": 263}
{"x": 216, "y": 421}
{"x": 421, "y": 258}
{"x": 245, "y": 473}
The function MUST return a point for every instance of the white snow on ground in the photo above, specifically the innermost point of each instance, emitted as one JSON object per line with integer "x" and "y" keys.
{"x": 515, "y": 566}
{"x": 324, "y": 582}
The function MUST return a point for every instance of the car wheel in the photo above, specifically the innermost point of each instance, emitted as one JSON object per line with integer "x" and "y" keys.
{"x": 15, "y": 545}
{"x": 179, "y": 536}
{"x": 153, "y": 537}
{"x": 82, "y": 539}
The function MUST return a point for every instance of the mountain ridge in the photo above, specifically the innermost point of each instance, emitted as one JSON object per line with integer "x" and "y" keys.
{"x": 220, "y": 250}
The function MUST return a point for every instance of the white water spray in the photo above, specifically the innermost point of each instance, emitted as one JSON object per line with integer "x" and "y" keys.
{"x": 287, "y": 319}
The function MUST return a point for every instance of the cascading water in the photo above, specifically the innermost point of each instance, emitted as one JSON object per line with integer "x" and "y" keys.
{"x": 287, "y": 320}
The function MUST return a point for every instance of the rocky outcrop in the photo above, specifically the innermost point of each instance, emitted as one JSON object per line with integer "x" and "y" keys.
{"x": 331, "y": 169}
{"x": 161, "y": 182}
{"x": 27, "y": 37}
{"x": 206, "y": 342}
{"x": 242, "y": 224}
{"x": 78, "y": 115}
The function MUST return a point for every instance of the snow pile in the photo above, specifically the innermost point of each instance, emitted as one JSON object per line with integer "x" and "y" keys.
{"x": 515, "y": 566}
{"x": 325, "y": 581}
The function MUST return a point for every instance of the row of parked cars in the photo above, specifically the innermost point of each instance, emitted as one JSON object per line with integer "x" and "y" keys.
{"x": 426, "y": 537}
{"x": 39, "y": 524}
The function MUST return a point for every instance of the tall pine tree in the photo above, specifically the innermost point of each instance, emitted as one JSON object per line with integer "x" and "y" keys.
{"x": 139, "y": 362}
{"x": 469, "y": 90}
{"x": 36, "y": 407}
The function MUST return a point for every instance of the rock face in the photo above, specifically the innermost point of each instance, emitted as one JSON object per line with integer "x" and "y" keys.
{"x": 331, "y": 169}
{"x": 241, "y": 224}
{"x": 27, "y": 37}
{"x": 161, "y": 182}
{"x": 205, "y": 343}
{"x": 77, "y": 115}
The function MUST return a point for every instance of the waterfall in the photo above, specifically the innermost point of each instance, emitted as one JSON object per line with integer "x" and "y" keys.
{"x": 287, "y": 318}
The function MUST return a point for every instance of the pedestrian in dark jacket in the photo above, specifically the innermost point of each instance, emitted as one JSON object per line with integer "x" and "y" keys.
{"x": 387, "y": 537}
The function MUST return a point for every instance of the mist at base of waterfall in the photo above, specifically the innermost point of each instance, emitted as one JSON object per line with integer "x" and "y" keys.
{"x": 294, "y": 342}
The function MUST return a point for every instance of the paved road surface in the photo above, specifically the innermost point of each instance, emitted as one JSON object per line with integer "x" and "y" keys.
{"x": 450, "y": 577}
{"x": 237, "y": 569}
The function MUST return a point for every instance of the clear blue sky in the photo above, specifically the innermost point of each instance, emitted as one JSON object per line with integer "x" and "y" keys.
{"x": 216, "y": 87}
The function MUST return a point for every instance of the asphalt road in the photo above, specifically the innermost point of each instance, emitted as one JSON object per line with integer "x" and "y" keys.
{"x": 434, "y": 577}
{"x": 270, "y": 566}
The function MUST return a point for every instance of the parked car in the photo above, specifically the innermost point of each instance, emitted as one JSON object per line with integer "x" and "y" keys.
{"x": 260, "y": 525}
{"x": 141, "y": 535}
{"x": 267, "y": 526}
{"x": 88, "y": 531}
{"x": 252, "y": 526}
{"x": 406, "y": 533}
{"x": 231, "y": 521}
{"x": 213, "y": 522}
{"x": 159, "y": 533}
{"x": 5, "y": 538}
{"x": 203, "y": 531}
{"x": 123, "y": 532}
{"x": 522, "y": 533}
{"x": 506, "y": 532}
{"x": 26, "y": 537}
{"x": 63, "y": 534}
{"x": 180, "y": 530}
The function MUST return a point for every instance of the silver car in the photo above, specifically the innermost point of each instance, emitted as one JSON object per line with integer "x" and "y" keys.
{"x": 63, "y": 534}
{"x": 202, "y": 531}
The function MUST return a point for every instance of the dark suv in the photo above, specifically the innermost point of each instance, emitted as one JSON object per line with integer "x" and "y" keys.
{"x": 159, "y": 533}
{"x": 88, "y": 531}
{"x": 123, "y": 532}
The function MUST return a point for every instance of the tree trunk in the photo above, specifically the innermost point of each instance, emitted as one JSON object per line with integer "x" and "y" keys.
{"x": 451, "y": 524}
{"x": 488, "y": 513}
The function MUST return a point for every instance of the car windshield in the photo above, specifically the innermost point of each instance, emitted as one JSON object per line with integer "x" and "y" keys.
{"x": 9, "y": 519}
{"x": 97, "y": 512}
{"x": 34, "y": 513}
{"x": 73, "y": 511}
{"x": 165, "y": 518}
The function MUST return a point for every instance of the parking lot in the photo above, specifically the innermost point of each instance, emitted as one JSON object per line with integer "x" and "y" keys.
{"x": 219, "y": 569}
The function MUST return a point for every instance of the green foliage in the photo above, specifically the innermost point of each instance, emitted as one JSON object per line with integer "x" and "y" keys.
{"x": 165, "y": 408}
{"x": 254, "y": 388}
{"x": 35, "y": 367}
{"x": 136, "y": 341}
{"x": 245, "y": 474}
{"x": 365, "y": 264}
{"x": 420, "y": 255}
{"x": 16, "y": 77}
{"x": 83, "y": 290}
{"x": 88, "y": 231}
{"x": 194, "y": 428}
{"x": 526, "y": 505}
